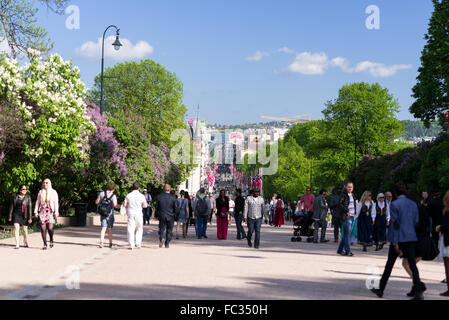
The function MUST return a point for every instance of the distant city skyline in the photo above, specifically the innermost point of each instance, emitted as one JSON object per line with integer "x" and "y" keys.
{"x": 239, "y": 60}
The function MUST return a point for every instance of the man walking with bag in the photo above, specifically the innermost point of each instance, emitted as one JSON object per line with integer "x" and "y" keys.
{"x": 202, "y": 208}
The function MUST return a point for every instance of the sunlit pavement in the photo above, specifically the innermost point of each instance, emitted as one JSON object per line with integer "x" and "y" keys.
{"x": 192, "y": 269}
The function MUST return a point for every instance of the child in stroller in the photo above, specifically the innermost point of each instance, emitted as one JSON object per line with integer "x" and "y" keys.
{"x": 302, "y": 227}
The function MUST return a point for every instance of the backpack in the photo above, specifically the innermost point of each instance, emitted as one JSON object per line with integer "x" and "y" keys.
{"x": 201, "y": 205}
{"x": 105, "y": 207}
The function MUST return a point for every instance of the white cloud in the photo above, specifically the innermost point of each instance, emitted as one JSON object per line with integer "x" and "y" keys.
{"x": 258, "y": 56}
{"x": 317, "y": 63}
{"x": 380, "y": 69}
{"x": 128, "y": 51}
{"x": 310, "y": 63}
{"x": 286, "y": 50}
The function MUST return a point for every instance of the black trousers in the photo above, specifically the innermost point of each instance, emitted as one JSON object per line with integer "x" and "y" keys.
{"x": 166, "y": 228}
{"x": 238, "y": 222}
{"x": 254, "y": 226}
{"x": 408, "y": 249}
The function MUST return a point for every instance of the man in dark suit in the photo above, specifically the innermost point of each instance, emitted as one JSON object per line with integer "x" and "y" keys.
{"x": 166, "y": 207}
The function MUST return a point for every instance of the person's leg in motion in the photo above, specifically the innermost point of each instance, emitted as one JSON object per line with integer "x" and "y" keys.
{"x": 446, "y": 267}
{"x": 139, "y": 231}
{"x": 51, "y": 232}
{"x": 392, "y": 256}
{"x": 409, "y": 252}
{"x": 250, "y": 231}
{"x": 102, "y": 234}
{"x": 323, "y": 231}
{"x": 169, "y": 235}
{"x": 44, "y": 234}
{"x": 257, "y": 226}
{"x": 25, "y": 235}
{"x": 17, "y": 234}
{"x": 131, "y": 231}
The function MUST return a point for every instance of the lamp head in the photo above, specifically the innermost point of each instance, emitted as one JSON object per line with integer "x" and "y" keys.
{"x": 117, "y": 43}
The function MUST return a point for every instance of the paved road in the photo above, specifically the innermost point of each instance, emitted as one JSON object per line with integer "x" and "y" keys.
{"x": 197, "y": 269}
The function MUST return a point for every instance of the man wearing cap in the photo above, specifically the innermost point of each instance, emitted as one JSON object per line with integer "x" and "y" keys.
{"x": 253, "y": 214}
{"x": 147, "y": 211}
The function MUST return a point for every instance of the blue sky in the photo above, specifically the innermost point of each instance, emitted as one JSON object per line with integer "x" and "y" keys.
{"x": 209, "y": 45}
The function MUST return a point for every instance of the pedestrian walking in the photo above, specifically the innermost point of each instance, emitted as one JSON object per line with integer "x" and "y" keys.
{"x": 147, "y": 211}
{"x": 231, "y": 209}
{"x": 272, "y": 208}
{"x": 20, "y": 214}
{"x": 336, "y": 221}
{"x": 190, "y": 218}
{"x": 201, "y": 209}
{"x": 134, "y": 203}
{"x": 402, "y": 237}
{"x": 166, "y": 207}
{"x": 366, "y": 217}
{"x": 346, "y": 212}
{"x": 267, "y": 210}
{"x": 238, "y": 214}
{"x": 278, "y": 220}
{"x": 381, "y": 223}
{"x": 47, "y": 210}
{"x": 106, "y": 202}
{"x": 436, "y": 207}
{"x": 319, "y": 217}
{"x": 253, "y": 215}
{"x": 306, "y": 202}
{"x": 222, "y": 215}
{"x": 443, "y": 228}
{"x": 183, "y": 215}
{"x": 213, "y": 207}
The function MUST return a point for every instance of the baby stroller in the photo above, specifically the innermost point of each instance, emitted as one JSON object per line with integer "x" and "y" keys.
{"x": 302, "y": 227}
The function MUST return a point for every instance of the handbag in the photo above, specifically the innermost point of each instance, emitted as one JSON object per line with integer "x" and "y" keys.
{"x": 430, "y": 249}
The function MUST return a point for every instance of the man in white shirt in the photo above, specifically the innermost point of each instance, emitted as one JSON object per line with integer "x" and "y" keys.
{"x": 134, "y": 203}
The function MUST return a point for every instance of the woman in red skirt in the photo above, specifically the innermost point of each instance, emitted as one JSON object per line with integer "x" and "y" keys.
{"x": 279, "y": 213}
{"x": 222, "y": 204}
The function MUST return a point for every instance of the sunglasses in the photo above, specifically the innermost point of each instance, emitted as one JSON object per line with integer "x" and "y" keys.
{"x": 23, "y": 189}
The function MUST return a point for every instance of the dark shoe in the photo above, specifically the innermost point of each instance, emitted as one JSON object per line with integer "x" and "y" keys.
{"x": 377, "y": 292}
{"x": 364, "y": 249}
{"x": 377, "y": 248}
{"x": 412, "y": 292}
{"x": 239, "y": 238}
{"x": 205, "y": 237}
{"x": 250, "y": 244}
{"x": 177, "y": 238}
{"x": 418, "y": 296}
{"x": 340, "y": 253}
{"x": 110, "y": 245}
{"x": 161, "y": 244}
{"x": 350, "y": 254}
{"x": 256, "y": 247}
{"x": 51, "y": 244}
{"x": 167, "y": 244}
{"x": 445, "y": 294}
{"x": 243, "y": 237}
{"x": 324, "y": 241}
{"x": 45, "y": 247}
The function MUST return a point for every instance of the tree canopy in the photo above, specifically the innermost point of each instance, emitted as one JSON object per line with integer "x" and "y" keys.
{"x": 432, "y": 89}
{"x": 18, "y": 25}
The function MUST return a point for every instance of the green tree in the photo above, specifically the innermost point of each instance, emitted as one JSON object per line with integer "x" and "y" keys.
{"x": 18, "y": 25}
{"x": 147, "y": 89}
{"x": 366, "y": 113}
{"x": 432, "y": 89}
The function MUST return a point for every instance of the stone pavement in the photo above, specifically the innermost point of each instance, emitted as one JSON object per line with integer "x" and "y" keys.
{"x": 192, "y": 269}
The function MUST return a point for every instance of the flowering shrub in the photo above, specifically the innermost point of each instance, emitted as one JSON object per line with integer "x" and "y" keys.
{"x": 47, "y": 96}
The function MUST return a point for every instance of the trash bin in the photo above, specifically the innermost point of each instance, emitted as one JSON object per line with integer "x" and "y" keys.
{"x": 80, "y": 214}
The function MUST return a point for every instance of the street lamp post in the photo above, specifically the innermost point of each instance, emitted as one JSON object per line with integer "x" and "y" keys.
{"x": 116, "y": 46}
{"x": 355, "y": 138}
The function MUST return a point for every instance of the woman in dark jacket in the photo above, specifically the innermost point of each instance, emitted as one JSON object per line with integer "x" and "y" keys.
{"x": 222, "y": 204}
{"x": 20, "y": 214}
{"x": 444, "y": 239}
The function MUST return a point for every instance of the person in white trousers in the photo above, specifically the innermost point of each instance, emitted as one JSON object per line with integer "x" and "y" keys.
{"x": 134, "y": 203}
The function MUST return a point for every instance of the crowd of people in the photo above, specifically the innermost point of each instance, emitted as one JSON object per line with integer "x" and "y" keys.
{"x": 415, "y": 231}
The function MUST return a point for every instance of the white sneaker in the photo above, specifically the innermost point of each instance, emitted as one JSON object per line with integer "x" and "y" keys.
{"x": 138, "y": 247}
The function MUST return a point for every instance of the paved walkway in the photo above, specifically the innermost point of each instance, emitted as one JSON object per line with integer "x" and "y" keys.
{"x": 197, "y": 269}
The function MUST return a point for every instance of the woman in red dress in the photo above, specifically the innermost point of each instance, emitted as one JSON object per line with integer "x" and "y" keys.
{"x": 279, "y": 213}
{"x": 222, "y": 215}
